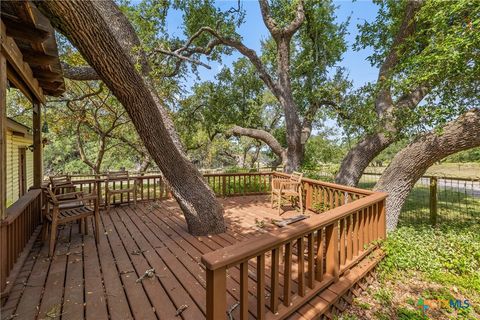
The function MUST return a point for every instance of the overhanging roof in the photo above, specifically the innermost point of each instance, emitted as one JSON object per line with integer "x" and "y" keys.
{"x": 35, "y": 38}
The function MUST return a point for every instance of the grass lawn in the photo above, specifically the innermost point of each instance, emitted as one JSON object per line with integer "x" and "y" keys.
{"x": 453, "y": 206}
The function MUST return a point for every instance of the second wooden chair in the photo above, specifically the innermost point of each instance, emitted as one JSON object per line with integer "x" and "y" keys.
{"x": 287, "y": 188}
{"x": 111, "y": 190}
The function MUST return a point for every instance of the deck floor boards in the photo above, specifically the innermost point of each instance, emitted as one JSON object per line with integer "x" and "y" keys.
{"x": 89, "y": 280}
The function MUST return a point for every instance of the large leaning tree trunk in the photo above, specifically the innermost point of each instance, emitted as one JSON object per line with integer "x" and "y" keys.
{"x": 110, "y": 45}
{"x": 412, "y": 162}
{"x": 360, "y": 155}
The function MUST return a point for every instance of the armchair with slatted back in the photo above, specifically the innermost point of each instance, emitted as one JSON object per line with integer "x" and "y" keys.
{"x": 68, "y": 207}
{"x": 61, "y": 184}
{"x": 111, "y": 191}
{"x": 287, "y": 188}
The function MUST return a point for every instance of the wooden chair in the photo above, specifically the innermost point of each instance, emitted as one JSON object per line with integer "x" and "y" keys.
{"x": 61, "y": 184}
{"x": 130, "y": 188}
{"x": 68, "y": 207}
{"x": 287, "y": 188}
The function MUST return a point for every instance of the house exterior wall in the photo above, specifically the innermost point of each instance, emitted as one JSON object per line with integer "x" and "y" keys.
{"x": 14, "y": 143}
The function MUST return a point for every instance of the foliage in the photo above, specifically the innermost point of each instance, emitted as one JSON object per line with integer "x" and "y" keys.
{"x": 449, "y": 254}
{"x": 472, "y": 155}
{"x": 441, "y": 54}
{"x": 320, "y": 150}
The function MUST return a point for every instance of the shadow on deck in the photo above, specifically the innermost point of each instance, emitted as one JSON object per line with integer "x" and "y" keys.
{"x": 89, "y": 280}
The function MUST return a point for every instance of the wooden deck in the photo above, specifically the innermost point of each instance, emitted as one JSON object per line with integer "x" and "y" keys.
{"x": 89, "y": 280}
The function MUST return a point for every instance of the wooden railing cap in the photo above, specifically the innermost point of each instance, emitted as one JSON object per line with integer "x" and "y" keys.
{"x": 253, "y": 247}
{"x": 19, "y": 206}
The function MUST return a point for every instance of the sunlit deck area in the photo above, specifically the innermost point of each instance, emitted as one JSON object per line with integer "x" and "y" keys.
{"x": 86, "y": 279}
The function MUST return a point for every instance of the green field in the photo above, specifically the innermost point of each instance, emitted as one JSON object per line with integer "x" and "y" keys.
{"x": 460, "y": 170}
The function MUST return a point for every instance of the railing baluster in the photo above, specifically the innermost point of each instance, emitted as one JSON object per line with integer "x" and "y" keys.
{"x": 361, "y": 224}
{"x": 382, "y": 231}
{"x": 319, "y": 256}
{"x": 244, "y": 290}
{"x": 148, "y": 186}
{"x": 372, "y": 223}
{"x": 274, "y": 280}
{"x": 349, "y": 238}
{"x": 301, "y": 266}
{"x": 365, "y": 228}
{"x": 331, "y": 252}
{"x": 287, "y": 275}
{"x": 342, "y": 242}
{"x": 244, "y": 184}
{"x": 311, "y": 260}
{"x": 261, "y": 287}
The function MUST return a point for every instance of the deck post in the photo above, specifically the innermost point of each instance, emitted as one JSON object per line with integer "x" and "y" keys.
{"x": 37, "y": 145}
{"x": 216, "y": 294}
{"x": 3, "y": 132}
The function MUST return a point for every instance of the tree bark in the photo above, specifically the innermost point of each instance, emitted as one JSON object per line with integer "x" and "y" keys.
{"x": 358, "y": 158}
{"x": 109, "y": 44}
{"x": 412, "y": 162}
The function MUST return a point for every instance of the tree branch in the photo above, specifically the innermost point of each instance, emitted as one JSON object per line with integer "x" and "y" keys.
{"x": 413, "y": 98}
{"x": 244, "y": 50}
{"x": 80, "y": 73}
{"x": 261, "y": 135}
{"x": 272, "y": 25}
{"x": 297, "y": 22}
{"x": 384, "y": 102}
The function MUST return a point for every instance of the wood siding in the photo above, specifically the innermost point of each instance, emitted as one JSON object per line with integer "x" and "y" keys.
{"x": 14, "y": 142}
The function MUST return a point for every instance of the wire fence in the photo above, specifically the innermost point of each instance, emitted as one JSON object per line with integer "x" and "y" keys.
{"x": 436, "y": 199}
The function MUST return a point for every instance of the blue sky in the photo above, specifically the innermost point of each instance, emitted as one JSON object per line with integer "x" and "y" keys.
{"x": 253, "y": 31}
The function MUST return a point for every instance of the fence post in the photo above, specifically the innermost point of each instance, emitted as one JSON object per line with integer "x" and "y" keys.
{"x": 433, "y": 200}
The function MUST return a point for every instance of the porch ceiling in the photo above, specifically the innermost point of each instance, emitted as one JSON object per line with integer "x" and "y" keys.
{"x": 35, "y": 38}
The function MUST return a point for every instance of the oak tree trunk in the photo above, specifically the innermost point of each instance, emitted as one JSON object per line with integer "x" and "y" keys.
{"x": 285, "y": 97}
{"x": 358, "y": 158}
{"x": 412, "y": 162}
{"x": 108, "y": 42}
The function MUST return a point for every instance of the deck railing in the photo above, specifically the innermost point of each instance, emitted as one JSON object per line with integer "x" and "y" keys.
{"x": 150, "y": 187}
{"x": 235, "y": 184}
{"x": 23, "y": 219}
{"x": 315, "y": 253}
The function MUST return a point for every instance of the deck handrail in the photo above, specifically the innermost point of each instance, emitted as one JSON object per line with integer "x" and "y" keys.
{"x": 336, "y": 241}
{"x": 18, "y": 231}
{"x": 237, "y": 253}
{"x": 20, "y": 205}
{"x": 329, "y": 184}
